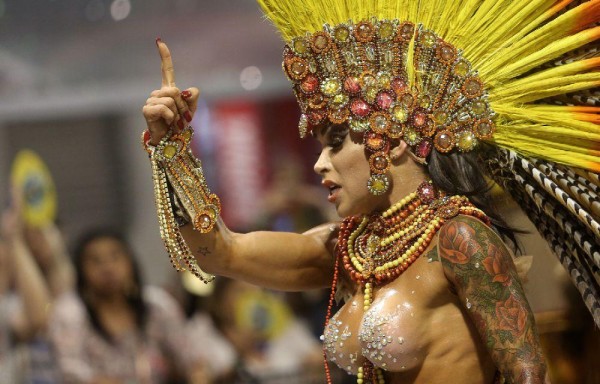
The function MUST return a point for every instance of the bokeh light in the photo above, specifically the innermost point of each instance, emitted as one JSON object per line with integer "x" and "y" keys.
{"x": 251, "y": 78}
{"x": 120, "y": 9}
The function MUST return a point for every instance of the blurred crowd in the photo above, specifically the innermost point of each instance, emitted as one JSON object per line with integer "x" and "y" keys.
{"x": 83, "y": 314}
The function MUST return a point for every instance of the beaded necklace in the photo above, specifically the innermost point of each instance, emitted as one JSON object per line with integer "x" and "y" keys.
{"x": 375, "y": 249}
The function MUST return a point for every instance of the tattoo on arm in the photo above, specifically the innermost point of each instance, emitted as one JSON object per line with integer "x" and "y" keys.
{"x": 481, "y": 270}
{"x": 203, "y": 251}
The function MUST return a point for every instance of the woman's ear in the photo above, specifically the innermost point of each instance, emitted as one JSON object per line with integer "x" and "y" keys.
{"x": 398, "y": 150}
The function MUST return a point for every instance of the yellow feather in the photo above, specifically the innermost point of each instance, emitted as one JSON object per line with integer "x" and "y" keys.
{"x": 573, "y": 127}
{"x": 543, "y": 89}
{"x": 505, "y": 41}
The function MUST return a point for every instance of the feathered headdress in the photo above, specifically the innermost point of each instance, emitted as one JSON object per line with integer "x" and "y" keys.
{"x": 445, "y": 74}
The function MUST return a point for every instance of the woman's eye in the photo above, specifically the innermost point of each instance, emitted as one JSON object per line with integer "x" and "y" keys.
{"x": 336, "y": 141}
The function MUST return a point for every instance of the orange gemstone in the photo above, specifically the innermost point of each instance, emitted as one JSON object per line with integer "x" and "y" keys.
{"x": 406, "y": 31}
{"x": 298, "y": 68}
{"x": 419, "y": 119}
{"x": 351, "y": 85}
{"x": 399, "y": 85}
{"x": 205, "y": 221}
{"x": 316, "y": 101}
{"x": 472, "y": 87}
{"x": 485, "y": 129}
{"x": 374, "y": 141}
{"x": 380, "y": 163}
{"x": 447, "y": 53}
{"x": 310, "y": 84}
{"x": 364, "y": 31}
{"x": 444, "y": 141}
{"x": 321, "y": 42}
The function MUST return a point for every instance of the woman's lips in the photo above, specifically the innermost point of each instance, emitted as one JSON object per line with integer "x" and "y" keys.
{"x": 333, "y": 190}
{"x": 333, "y": 194}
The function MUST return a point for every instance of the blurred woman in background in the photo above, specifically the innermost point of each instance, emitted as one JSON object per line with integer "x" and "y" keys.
{"x": 115, "y": 330}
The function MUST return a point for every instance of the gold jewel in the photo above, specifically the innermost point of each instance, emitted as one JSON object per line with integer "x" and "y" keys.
{"x": 378, "y": 184}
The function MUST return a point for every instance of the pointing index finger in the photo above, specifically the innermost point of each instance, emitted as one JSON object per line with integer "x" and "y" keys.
{"x": 166, "y": 64}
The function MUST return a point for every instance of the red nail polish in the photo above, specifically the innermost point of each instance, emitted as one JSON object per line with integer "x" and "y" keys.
{"x": 186, "y": 94}
{"x": 187, "y": 116}
{"x": 180, "y": 124}
{"x": 158, "y": 40}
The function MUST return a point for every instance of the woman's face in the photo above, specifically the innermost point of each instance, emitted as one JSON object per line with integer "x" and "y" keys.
{"x": 106, "y": 267}
{"x": 344, "y": 168}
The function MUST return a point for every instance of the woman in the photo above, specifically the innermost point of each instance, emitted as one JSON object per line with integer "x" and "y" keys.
{"x": 402, "y": 112}
{"x": 115, "y": 330}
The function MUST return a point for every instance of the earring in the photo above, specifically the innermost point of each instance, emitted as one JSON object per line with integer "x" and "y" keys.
{"x": 379, "y": 163}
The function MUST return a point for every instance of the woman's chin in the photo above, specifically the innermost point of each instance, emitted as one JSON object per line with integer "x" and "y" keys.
{"x": 345, "y": 211}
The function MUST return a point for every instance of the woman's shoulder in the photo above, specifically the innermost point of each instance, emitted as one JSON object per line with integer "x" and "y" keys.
{"x": 467, "y": 247}
{"x": 463, "y": 236}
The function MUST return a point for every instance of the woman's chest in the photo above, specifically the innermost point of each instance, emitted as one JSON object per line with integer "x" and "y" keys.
{"x": 393, "y": 332}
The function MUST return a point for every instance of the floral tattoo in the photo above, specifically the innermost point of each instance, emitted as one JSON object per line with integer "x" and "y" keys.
{"x": 481, "y": 269}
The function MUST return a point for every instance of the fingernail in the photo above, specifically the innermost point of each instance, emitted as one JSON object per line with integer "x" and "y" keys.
{"x": 186, "y": 94}
{"x": 187, "y": 116}
{"x": 158, "y": 40}
{"x": 180, "y": 124}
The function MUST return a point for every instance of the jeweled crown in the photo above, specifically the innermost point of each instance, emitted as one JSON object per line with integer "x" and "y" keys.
{"x": 390, "y": 79}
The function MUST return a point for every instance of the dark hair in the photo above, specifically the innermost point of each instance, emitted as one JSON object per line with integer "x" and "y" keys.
{"x": 464, "y": 174}
{"x": 134, "y": 298}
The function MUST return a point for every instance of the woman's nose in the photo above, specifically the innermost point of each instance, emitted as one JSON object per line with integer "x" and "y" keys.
{"x": 322, "y": 165}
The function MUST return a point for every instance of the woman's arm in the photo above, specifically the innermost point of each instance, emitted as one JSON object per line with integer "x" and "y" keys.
{"x": 481, "y": 270}
{"x": 30, "y": 285}
{"x": 284, "y": 261}
{"x": 61, "y": 275}
{"x": 25, "y": 273}
{"x": 277, "y": 260}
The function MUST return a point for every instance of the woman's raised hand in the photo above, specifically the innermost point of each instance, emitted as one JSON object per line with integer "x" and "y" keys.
{"x": 168, "y": 107}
